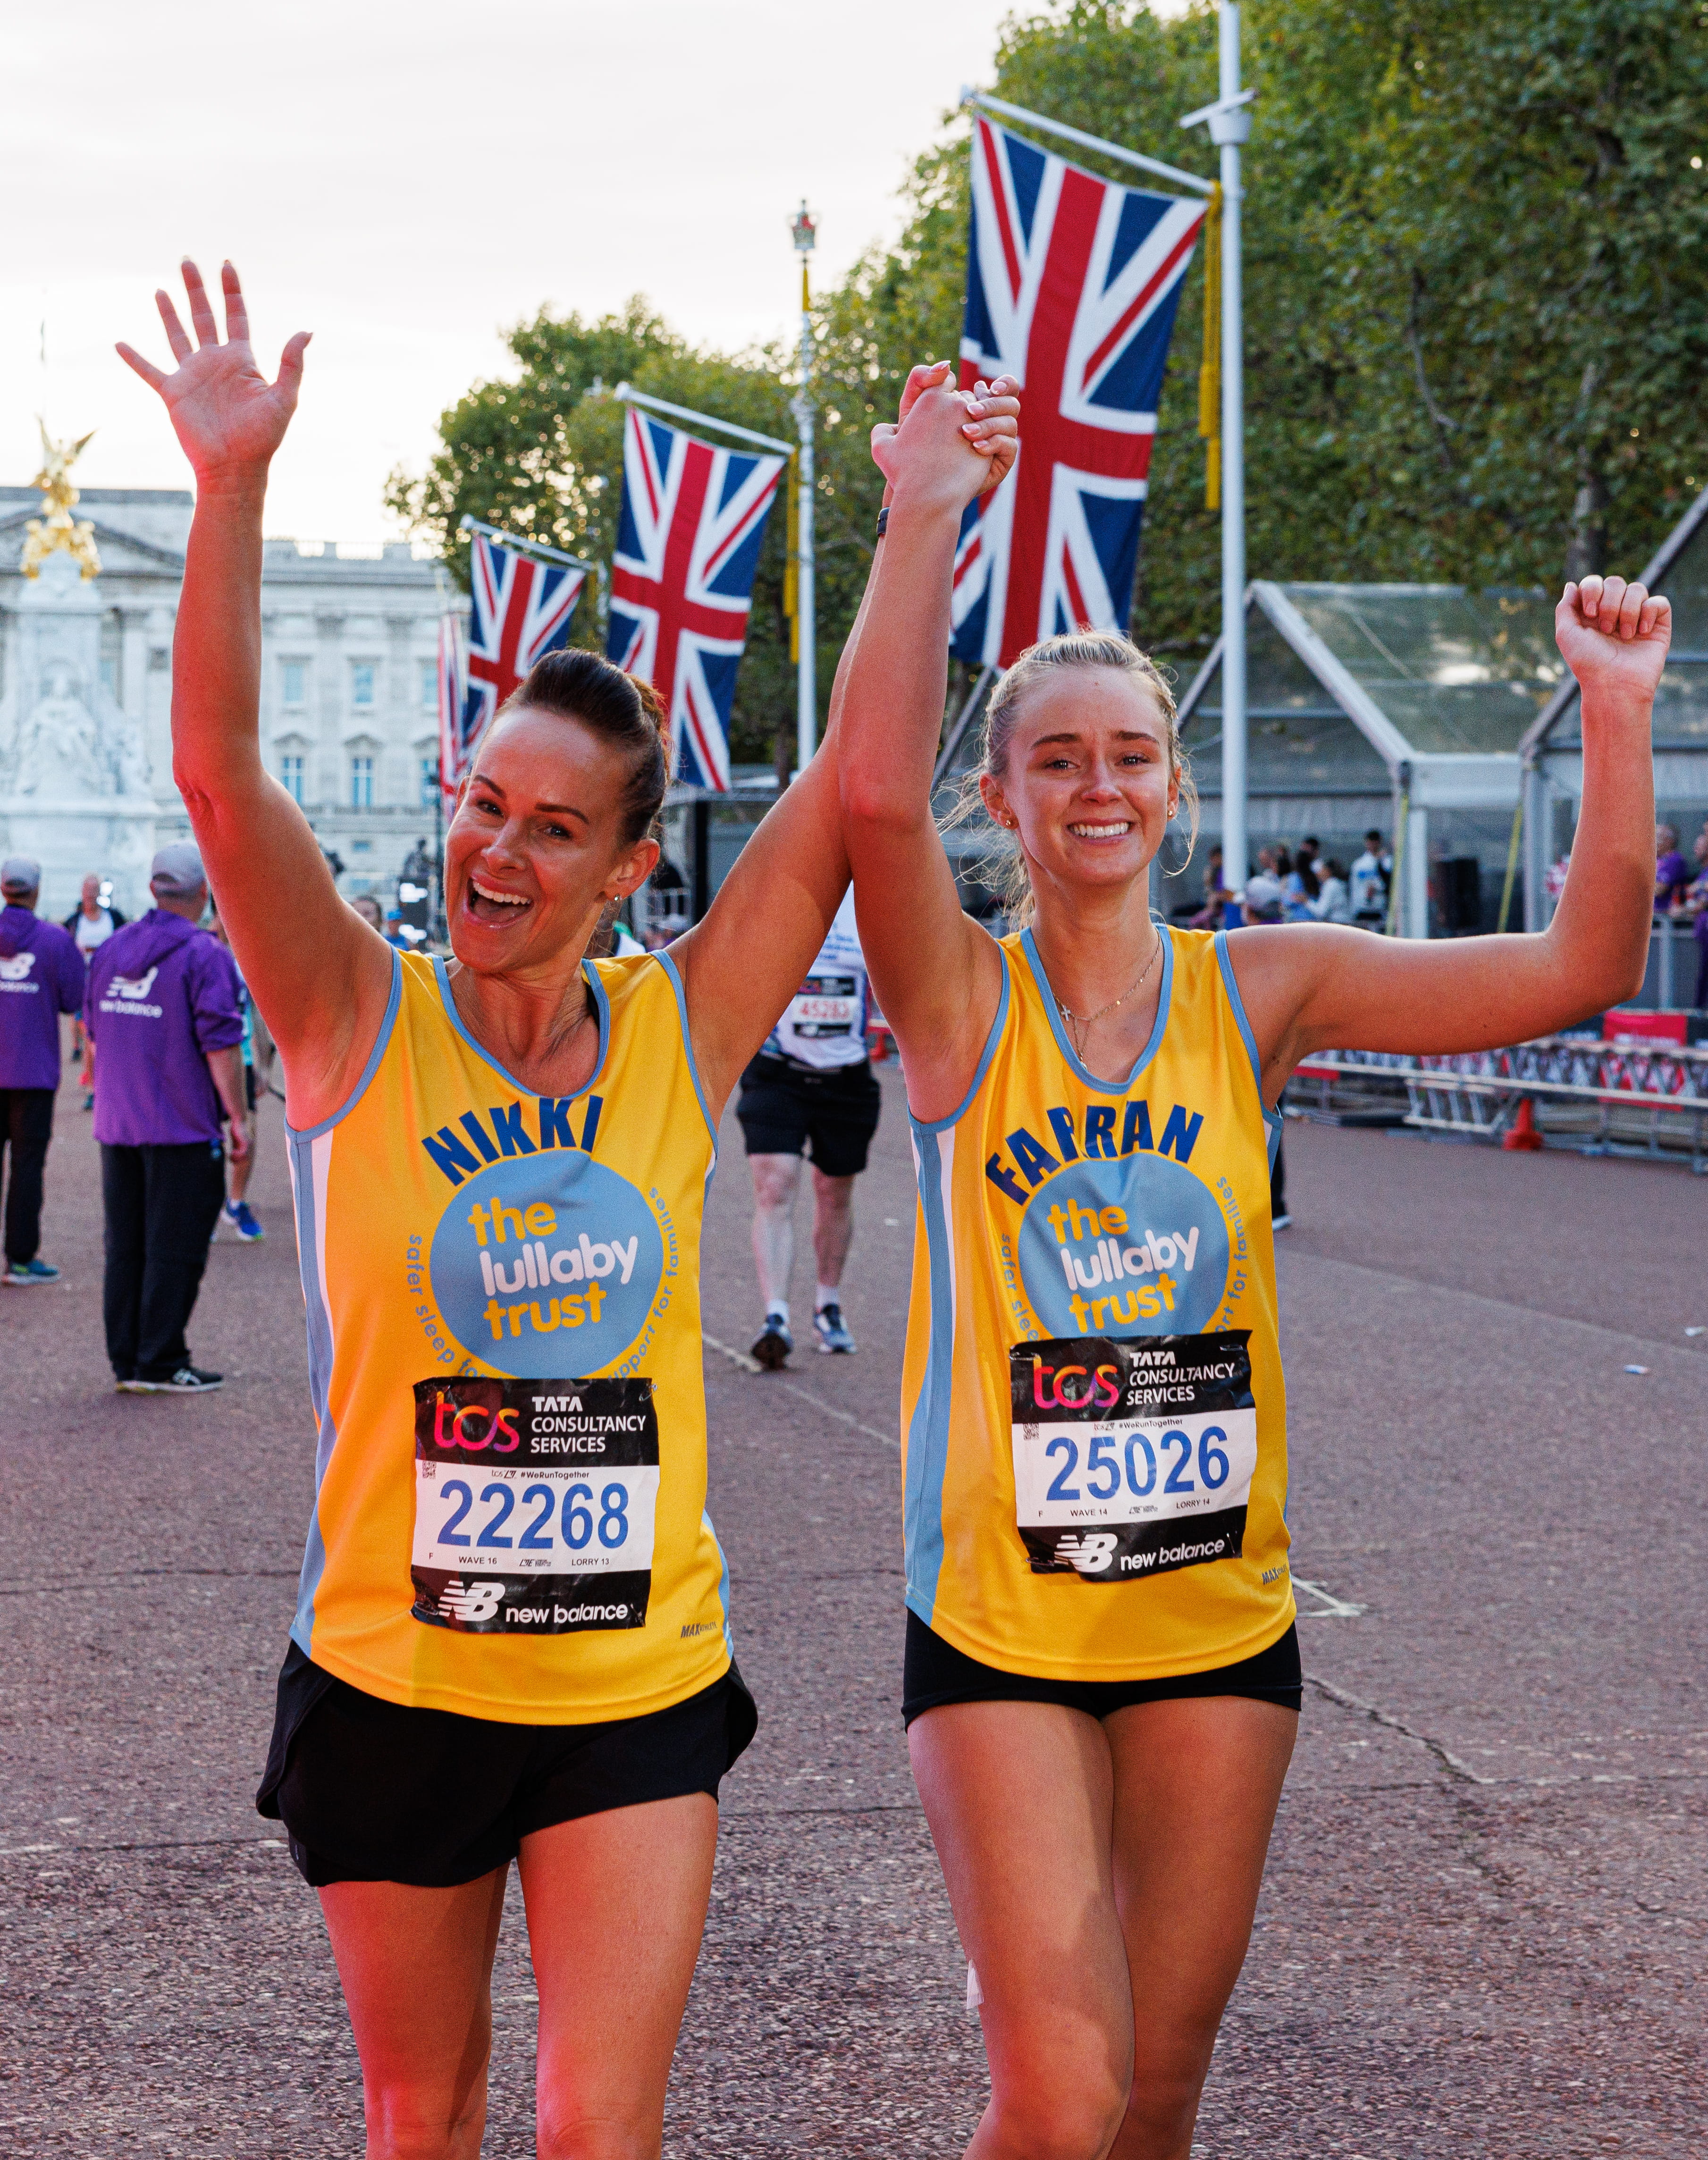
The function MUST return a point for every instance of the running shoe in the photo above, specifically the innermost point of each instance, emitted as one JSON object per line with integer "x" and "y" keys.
{"x": 190, "y": 1380}
{"x": 243, "y": 1220}
{"x": 1282, "y": 1222}
{"x": 832, "y": 1331}
{"x": 774, "y": 1343}
{"x": 25, "y": 1272}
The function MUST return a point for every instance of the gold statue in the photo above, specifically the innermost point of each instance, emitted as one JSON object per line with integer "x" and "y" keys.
{"x": 59, "y": 529}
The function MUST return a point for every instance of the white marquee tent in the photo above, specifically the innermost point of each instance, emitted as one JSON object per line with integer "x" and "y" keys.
{"x": 1400, "y": 706}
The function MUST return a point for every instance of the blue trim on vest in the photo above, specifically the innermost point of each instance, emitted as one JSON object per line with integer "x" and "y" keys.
{"x": 668, "y": 965}
{"x": 1070, "y": 1056}
{"x": 942, "y": 1125}
{"x": 929, "y": 1431}
{"x": 1272, "y": 1118}
{"x": 382, "y": 1042}
{"x": 601, "y": 1005}
{"x": 319, "y": 1331}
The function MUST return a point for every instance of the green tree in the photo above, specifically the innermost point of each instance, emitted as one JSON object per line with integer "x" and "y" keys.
{"x": 539, "y": 453}
{"x": 1476, "y": 315}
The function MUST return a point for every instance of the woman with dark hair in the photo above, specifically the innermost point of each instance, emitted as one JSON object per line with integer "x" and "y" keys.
{"x": 1102, "y": 1679}
{"x": 512, "y": 1636}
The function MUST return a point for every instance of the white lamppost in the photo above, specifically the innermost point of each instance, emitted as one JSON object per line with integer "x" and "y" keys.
{"x": 804, "y": 230}
{"x": 1229, "y": 123}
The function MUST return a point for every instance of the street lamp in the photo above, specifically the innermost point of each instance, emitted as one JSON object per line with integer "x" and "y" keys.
{"x": 803, "y": 230}
{"x": 1228, "y": 121}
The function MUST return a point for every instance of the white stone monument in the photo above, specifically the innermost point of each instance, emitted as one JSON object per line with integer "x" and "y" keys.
{"x": 75, "y": 788}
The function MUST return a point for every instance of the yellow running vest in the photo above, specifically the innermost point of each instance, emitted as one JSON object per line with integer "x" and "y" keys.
{"x": 1094, "y": 1414}
{"x": 504, "y": 1351}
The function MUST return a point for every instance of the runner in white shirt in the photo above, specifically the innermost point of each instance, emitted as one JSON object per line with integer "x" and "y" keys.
{"x": 91, "y": 923}
{"x": 1368, "y": 890}
{"x": 811, "y": 1081}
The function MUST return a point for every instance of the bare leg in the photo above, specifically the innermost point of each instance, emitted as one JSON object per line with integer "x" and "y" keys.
{"x": 776, "y": 1178}
{"x": 1196, "y": 1786}
{"x": 417, "y": 1969}
{"x": 1057, "y": 1835}
{"x": 832, "y": 1224}
{"x": 1019, "y": 1796}
{"x": 616, "y": 1906}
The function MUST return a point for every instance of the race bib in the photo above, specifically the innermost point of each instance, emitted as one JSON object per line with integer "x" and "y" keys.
{"x": 1132, "y": 1458}
{"x": 825, "y": 1006}
{"x": 534, "y": 1503}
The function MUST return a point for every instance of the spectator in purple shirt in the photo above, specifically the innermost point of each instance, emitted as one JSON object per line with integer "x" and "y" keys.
{"x": 1672, "y": 873}
{"x": 164, "y": 1009}
{"x": 41, "y": 976}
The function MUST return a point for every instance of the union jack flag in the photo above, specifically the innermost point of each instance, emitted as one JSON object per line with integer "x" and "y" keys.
{"x": 682, "y": 580}
{"x": 1071, "y": 287}
{"x": 519, "y": 610}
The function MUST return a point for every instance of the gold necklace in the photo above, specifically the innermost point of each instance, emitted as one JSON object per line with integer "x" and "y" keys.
{"x": 1082, "y": 1027}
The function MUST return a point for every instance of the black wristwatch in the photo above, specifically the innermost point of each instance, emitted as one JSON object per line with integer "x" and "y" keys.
{"x": 883, "y": 520}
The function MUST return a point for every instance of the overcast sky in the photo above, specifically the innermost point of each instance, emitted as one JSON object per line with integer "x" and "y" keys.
{"x": 405, "y": 180}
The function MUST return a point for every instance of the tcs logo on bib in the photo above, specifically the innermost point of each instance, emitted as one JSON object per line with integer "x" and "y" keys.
{"x": 545, "y": 1265}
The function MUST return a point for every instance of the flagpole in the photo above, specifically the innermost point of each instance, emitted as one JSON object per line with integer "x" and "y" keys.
{"x": 805, "y": 231}
{"x": 468, "y": 523}
{"x": 628, "y": 395}
{"x": 1229, "y": 123}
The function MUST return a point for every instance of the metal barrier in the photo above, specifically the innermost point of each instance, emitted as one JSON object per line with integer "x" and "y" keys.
{"x": 1621, "y": 1098}
{"x": 1674, "y": 961}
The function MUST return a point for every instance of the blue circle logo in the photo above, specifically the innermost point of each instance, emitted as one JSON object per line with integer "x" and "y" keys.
{"x": 1133, "y": 1247}
{"x": 547, "y": 1265}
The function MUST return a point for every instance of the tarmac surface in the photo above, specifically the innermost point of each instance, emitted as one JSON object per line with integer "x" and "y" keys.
{"x": 1481, "y": 1931}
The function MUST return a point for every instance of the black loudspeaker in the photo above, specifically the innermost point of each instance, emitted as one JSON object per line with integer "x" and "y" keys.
{"x": 1461, "y": 894}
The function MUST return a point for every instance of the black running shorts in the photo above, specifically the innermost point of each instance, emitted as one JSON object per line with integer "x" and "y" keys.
{"x": 934, "y": 1672}
{"x": 783, "y": 1106}
{"x": 373, "y": 1791}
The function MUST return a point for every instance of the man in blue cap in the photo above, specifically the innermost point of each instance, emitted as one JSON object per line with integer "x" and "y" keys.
{"x": 41, "y": 976}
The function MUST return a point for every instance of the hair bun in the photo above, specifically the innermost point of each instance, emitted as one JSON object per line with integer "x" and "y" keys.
{"x": 653, "y": 706}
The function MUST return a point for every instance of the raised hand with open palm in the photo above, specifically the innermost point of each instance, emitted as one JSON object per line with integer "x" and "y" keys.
{"x": 228, "y": 417}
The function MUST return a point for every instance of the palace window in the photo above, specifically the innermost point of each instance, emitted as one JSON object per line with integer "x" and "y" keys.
{"x": 429, "y": 685}
{"x": 361, "y": 682}
{"x": 290, "y": 772}
{"x": 293, "y": 680}
{"x": 361, "y": 783}
{"x": 430, "y": 779}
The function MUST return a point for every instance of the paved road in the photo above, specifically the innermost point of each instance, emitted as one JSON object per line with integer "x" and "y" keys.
{"x": 1482, "y": 1928}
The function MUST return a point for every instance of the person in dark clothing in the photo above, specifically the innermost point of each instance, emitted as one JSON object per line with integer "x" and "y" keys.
{"x": 163, "y": 1009}
{"x": 41, "y": 976}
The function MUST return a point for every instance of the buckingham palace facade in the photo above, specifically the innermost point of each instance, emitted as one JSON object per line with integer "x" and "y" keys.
{"x": 349, "y": 715}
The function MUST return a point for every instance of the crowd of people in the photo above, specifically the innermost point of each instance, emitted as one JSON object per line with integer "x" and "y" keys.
{"x": 1681, "y": 894}
{"x": 1297, "y": 885}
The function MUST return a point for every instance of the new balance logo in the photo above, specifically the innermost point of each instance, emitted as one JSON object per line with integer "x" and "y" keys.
{"x": 17, "y": 967}
{"x": 134, "y": 987}
{"x": 1091, "y": 1553}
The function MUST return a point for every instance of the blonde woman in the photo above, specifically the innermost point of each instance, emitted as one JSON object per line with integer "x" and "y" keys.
{"x": 1102, "y": 1679}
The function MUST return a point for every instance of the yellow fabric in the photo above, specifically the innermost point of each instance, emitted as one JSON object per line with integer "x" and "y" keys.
{"x": 1177, "y": 1162}
{"x": 1210, "y": 355}
{"x": 394, "y": 1236}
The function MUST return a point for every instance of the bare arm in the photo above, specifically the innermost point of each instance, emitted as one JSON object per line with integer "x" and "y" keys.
{"x": 938, "y": 974}
{"x": 226, "y": 1067}
{"x": 743, "y": 963}
{"x": 1316, "y": 989}
{"x": 321, "y": 975}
